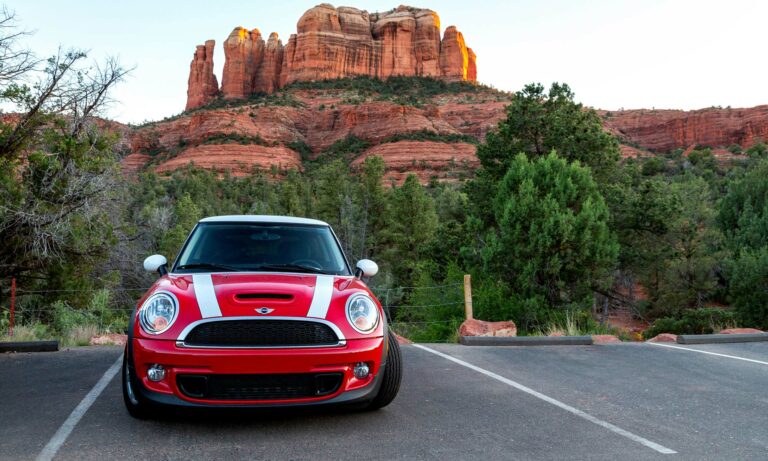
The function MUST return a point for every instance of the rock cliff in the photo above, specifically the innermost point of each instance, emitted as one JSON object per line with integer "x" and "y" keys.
{"x": 665, "y": 130}
{"x": 202, "y": 85}
{"x": 334, "y": 43}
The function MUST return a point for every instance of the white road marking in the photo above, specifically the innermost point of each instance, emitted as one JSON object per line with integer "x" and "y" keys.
{"x": 710, "y": 353}
{"x": 636, "y": 438}
{"x": 206, "y": 296}
{"x": 58, "y": 439}
{"x": 321, "y": 298}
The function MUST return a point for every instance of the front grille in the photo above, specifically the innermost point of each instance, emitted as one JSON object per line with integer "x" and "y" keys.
{"x": 259, "y": 387}
{"x": 261, "y": 333}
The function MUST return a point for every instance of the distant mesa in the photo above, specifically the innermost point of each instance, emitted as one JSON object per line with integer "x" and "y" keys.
{"x": 333, "y": 43}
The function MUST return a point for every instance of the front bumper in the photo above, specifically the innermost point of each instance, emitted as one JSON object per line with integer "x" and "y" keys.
{"x": 177, "y": 361}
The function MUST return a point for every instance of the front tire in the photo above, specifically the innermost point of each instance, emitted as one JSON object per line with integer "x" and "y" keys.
{"x": 135, "y": 403}
{"x": 390, "y": 381}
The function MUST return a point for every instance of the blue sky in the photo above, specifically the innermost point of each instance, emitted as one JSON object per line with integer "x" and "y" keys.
{"x": 682, "y": 54}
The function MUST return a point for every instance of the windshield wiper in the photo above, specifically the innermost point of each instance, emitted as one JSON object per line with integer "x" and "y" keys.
{"x": 209, "y": 266}
{"x": 290, "y": 268}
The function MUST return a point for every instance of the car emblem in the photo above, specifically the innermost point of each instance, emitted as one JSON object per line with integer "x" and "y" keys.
{"x": 264, "y": 310}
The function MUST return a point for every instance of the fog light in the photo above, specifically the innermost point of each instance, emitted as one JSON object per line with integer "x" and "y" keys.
{"x": 156, "y": 373}
{"x": 361, "y": 370}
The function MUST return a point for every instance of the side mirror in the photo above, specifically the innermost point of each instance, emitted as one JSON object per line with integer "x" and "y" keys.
{"x": 367, "y": 268}
{"x": 156, "y": 263}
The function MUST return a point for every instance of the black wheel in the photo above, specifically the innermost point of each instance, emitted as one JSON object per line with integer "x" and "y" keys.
{"x": 393, "y": 373}
{"x": 135, "y": 403}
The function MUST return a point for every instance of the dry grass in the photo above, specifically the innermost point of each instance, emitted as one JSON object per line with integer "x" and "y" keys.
{"x": 77, "y": 336}
{"x": 80, "y": 335}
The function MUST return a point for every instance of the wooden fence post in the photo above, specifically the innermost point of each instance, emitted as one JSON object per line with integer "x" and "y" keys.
{"x": 13, "y": 306}
{"x": 468, "y": 296}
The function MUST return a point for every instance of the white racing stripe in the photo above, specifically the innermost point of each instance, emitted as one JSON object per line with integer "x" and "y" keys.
{"x": 58, "y": 439}
{"x": 636, "y": 438}
{"x": 206, "y": 295}
{"x": 321, "y": 298}
{"x": 709, "y": 353}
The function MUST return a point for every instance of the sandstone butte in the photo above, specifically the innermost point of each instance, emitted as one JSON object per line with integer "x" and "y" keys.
{"x": 342, "y": 42}
{"x": 333, "y": 43}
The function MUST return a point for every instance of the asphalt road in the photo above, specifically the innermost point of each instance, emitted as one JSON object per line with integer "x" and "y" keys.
{"x": 556, "y": 402}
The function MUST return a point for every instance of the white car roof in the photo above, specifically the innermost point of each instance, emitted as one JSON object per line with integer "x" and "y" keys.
{"x": 264, "y": 219}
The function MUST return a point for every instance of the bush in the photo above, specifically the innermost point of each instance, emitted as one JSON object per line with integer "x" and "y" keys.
{"x": 693, "y": 322}
{"x": 428, "y": 135}
{"x": 235, "y": 138}
{"x": 748, "y": 291}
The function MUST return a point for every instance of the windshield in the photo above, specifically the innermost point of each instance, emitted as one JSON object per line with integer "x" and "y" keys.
{"x": 223, "y": 247}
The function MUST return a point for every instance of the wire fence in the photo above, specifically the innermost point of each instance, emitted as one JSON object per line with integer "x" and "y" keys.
{"x": 416, "y": 312}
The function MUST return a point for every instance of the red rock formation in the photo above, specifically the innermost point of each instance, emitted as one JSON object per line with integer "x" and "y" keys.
{"x": 343, "y": 42}
{"x": 663, "y": 338}
{"x": 243, "y": 53}
{"x": 471, "y": 65}
{"x": 235, "y": 158}
{"x": 740, "y": 331}
{"x": 665, "y": 130}
{"x": 425, "y": 159}
{"x": 454, "y": 58}
{"x": 427, "y": 43}
{"x": 321, "y": 119}
{"x": 474, "y": 327}
{"x": 202, "y": 85}
{"x": 268, "y": 78}
{"x": 605, "y": 339}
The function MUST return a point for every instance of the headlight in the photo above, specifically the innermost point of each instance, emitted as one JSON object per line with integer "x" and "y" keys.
{"x": 158, "y": 313}
{"x": 362, "y": 313}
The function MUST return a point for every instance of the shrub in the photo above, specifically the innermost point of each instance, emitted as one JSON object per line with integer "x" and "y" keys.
{"x": 693, "y": 321}
{"x": 748, "y": 292}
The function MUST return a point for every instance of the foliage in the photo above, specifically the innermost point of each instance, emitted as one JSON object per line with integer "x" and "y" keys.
{"x": 278, "y": 99}
{"x": 346, "y": 150}
{"x": 235, "y": 138}
{"x": 743, "y": 213}
{"x": 551, "y": 243}
{"x": 538, "y": 123}
{"x": 428, "y": 135}
{"x": 57, "y": 166}
{"x": 693, "y": 321}
{"x": 749, "y": 286}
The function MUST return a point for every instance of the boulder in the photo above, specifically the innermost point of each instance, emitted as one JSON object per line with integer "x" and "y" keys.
{"x": 740, "y": 331}
{"x": 202, "y": 85}
{"x": 475, "y": 327}
{"x": 109, "y": 339}
{"x": 605, "y": 339}
{"x": 663, "y": 338}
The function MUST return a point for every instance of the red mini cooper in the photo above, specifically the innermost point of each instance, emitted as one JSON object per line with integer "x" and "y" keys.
{"x": 259, "y": 311}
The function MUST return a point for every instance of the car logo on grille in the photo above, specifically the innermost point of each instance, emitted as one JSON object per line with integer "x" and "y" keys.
{"x": 264, "y": 310}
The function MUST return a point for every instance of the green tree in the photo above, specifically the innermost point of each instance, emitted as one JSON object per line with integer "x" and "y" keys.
{"x": 412, "y": 225}
{"x": 551, "y": 242}
{"x": 57, "y": 167}
{"x": 373, "y": 206}
{"x": 749, "y": 287}
{"x": 693, "y": 250}
{"x": 537, "y": 123}
{"x": 186, "y": 214}
{"x": 743, "y": 214}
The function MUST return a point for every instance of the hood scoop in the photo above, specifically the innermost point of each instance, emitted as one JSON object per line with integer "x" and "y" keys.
{"x": 263, "y": 296}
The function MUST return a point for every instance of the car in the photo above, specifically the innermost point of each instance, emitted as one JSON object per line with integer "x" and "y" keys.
{"x": 259, "y": 312}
